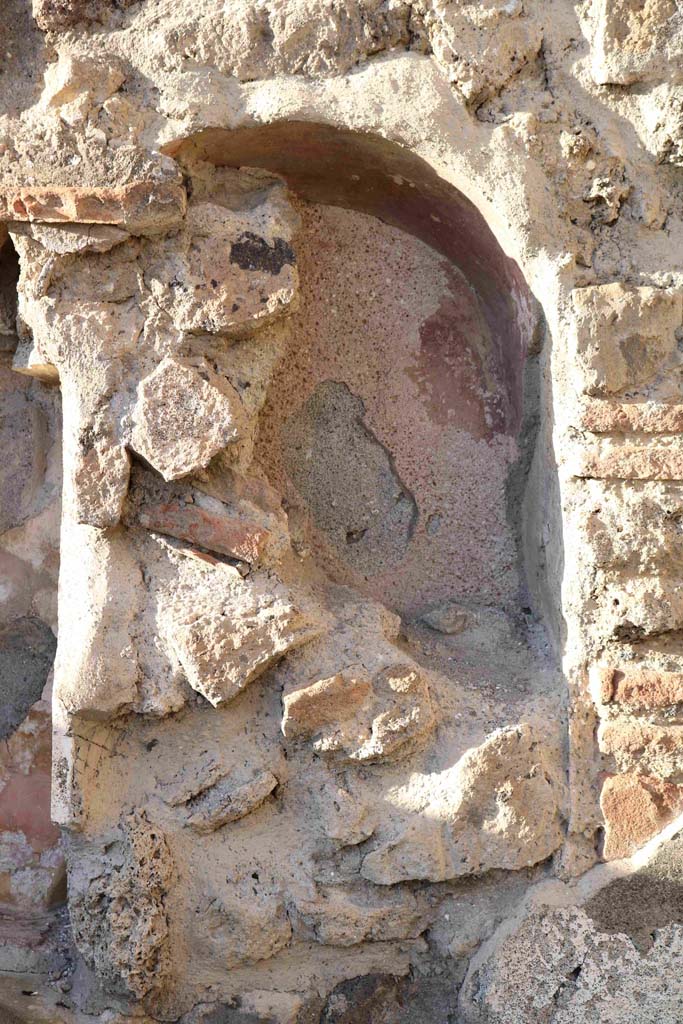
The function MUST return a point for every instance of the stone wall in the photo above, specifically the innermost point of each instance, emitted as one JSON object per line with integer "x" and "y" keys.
{"x": 343, "y": 340}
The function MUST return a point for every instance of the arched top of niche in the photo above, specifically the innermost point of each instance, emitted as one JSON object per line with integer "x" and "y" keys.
{"x": 365, "y": 172}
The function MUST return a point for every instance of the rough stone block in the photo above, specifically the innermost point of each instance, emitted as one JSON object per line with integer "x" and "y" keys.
{"x": 635, "y": 40}
{"x": 228, "y": 799}
{"x": 184, "y": 415}
{"x": 99, "y": 480}
{"x": 317, "y": 706}
{"x": 629, "y": 462}
{"x": 624, "y": 335}
{"x": 498, "y": 807}
{"x": 231, "y": 270}
{"x": 224, "y": 649}
{"x": 643, "y": 748}
{"x": 346, "y": 715}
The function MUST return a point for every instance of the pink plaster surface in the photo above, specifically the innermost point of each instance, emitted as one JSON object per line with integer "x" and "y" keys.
{"x": 401, "y": 327}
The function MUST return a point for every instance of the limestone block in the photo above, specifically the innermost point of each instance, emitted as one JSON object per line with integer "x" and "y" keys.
{"x": 242, "y": 924}
{"x": 184, "y": 415}
{"x": 635, "y": 40}
{"x": 624, "y": 335}
{"x": 420, "y": 851}
{"x": 359, "y": 720}
{"x": 230, "y": 270}
{"x": 229, "y": 799}
{"x": 70, "y": 239}
{"x": 337, "y": 918}
{"x": 602, "y": 416}
{"x": 498, "y": 807}
{"x": 625, "y": 461}
{"x": 636, "y": 808}
{"x": 482, "y": 47}
{"x": 639, "y": 607}
{"x": 308, "y": 709}
{"x": 58, "y": 15}
{"x": 643, "y": 748}
{"x": 633, "y": 527}
{"x": 244, "y": 630}
{"x": 345, "y": 818}
{"x": 99, "y": 480}
{"x": 118, "y": 912}
{"x": 80, "y": 83}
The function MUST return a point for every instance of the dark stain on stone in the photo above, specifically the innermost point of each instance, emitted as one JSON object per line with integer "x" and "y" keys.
{"x": 349, "y": 480}
{"x": 250, "y": 252}
{"x": 644, "y": 902}
{"x": 385, "y": 999}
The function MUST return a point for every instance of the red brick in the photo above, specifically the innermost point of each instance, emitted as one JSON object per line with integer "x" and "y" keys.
{"x": 139, "y": 206}
{"x": 224, "y": 534}
{"x": 635, "y": 809}
{"x": 631, "y": 462}
{"x": 604, "y": 417}
{"x": 640, "y": 688}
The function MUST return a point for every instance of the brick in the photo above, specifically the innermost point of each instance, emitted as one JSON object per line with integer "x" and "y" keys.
{"x": 140, "y": 207}
{"x": 218, "y": 532}
{"x": 635, "y": 808}
{"x": 630, "y": 462}
{"x": 639, "y": 689}
{"x": 605, "y": 417}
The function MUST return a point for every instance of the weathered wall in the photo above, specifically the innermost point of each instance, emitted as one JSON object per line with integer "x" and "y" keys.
{"x": 365, "y": 321}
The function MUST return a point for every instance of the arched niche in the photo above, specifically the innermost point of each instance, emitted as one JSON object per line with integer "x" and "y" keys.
{"x": 415, "y": 407}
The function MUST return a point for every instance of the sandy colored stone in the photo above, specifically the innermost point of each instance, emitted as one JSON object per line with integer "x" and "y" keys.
{"x": 359, "y": 719}
{"x": 635, "y": 41}
{"x": 309, "y": 709}
{"x": 630, "y": 462}
{"x": 624, "y": 335}
{"x": 337, "y": 919}
{"x": 346, "y": 818}
{"x": 230, "y": 270}
{"x": 228, "y": 799}
{"x": 497, "y": 807}
{"x": 184, "y": 415}
{"x": 250, "y": 627}
{"x": 655, "y": 750}
{"x": 602, "y": 416}
{"x": 100, "y": 484}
